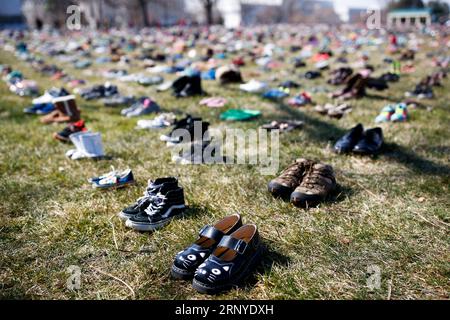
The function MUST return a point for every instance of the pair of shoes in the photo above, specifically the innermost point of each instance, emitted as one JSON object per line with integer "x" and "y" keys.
{"x": 118, "y": 100}
{"x": 44, "y": 104}
{"x": 24, "y": 88}
{"x": 283, "y": 126}
{"x": 188, "y": 129}
{"x": 149, "y": 81}
{"x": 88, "y": 145}
{"x": 163, "y": 120}
{"x": 393, "y": 113}
{"x": 66, "y": 110}
{"x": 239, "y": 114}
{"x": 74, "y": 127}
{"x": 276, "y": 94}
{"x": 422, "y": 91}
{"x": 113, "y": 179}
{"x": 163, "y": 200}
{"x": 333, "y": 111}
{"x": 143, "y": 106}
{"x": 221, "y": 258}
{"x": 339, "y": 76}
{"x": 357, "y": 140}
{"x": 253, "y": 86}
{"x": 300, "y": 100}
{"x": 99, "y": 91}
{"x": 214, "y": 102}
{"x": 306, "y": 182}
{"x": 188, "y": 85}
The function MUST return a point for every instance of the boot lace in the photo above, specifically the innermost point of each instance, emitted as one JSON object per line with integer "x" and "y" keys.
{"x": 156, "y": 205}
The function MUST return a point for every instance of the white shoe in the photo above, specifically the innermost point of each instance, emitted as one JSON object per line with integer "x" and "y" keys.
{"x": 44, "y": 99}
{"x": 92, "y": 145}
{"x": 162, "y": 121}
{"x": 253, "y": 86}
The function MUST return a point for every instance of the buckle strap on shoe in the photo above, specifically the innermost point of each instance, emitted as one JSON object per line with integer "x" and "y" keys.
{"x": 234, "y": 244}
{"x": 211, "y": 233}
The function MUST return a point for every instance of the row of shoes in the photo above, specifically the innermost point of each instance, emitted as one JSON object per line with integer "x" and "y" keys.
{"x": 360, "y": 141}
{"x": 222, "y": 257}
{"x": 113, "y": 179}
{"x": 306, "y": 183}
{"x": 163, "y": 200}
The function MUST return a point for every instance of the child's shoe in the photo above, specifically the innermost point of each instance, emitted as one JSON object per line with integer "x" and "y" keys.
{"x": 385, "y": 115}
{"x": 401, "y": 113}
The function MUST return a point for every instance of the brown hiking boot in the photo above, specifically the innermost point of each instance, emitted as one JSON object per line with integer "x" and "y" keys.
{"x": 290, "y": 178}
{"x": 317, "y": 183}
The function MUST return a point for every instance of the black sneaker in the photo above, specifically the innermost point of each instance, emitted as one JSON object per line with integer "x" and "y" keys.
{"x": 160, "y": 185}
{"x": 180, "y": 124}
{"x": 195, "y": 130}
{"x": 161, "y": 210}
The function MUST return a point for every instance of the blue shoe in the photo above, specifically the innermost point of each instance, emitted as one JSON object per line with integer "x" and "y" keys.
{"x": 275, "y": 94}
{"x": 116, "y": 180}
{"x": 40, "y": 109}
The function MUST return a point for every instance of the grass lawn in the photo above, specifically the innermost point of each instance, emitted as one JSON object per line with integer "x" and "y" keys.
{"x": 391, "y": 212}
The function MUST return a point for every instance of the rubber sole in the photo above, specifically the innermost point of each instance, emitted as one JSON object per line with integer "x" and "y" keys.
{"x": 180, "y": 274}
{"x": 303, "y": 200}
{"x": 123, "y": 216}
{"x": 145, "y": 227}
{"x": 113, "y": 187}
{"x": 278, "y": 190}
{"x": 207, "y": 289}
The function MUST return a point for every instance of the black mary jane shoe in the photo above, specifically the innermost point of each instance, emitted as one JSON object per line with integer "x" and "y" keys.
{"x": 188, "y": 260}
{"x": 232, "y": 261}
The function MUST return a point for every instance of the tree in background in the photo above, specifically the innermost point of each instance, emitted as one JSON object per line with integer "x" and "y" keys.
{"x": 405, "y": 4}
{"x": 439, "y": 11}
{"x": 208, "y": 7}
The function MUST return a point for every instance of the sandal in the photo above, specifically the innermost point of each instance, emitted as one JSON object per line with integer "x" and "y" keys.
{"x": 231, "y": 262}
{"x": 188, "y": 260}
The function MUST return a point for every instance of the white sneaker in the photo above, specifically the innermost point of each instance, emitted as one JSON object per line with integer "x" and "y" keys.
{"x": 253, "y": 86}
{"x": 162, "y": 121}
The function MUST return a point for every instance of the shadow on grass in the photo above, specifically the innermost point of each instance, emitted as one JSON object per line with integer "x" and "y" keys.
{"x": 408, "y": 158}
{"x": 269, "y": 259}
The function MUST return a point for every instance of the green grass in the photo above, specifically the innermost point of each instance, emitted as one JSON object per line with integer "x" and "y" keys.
{"x": 391, "y": 211}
